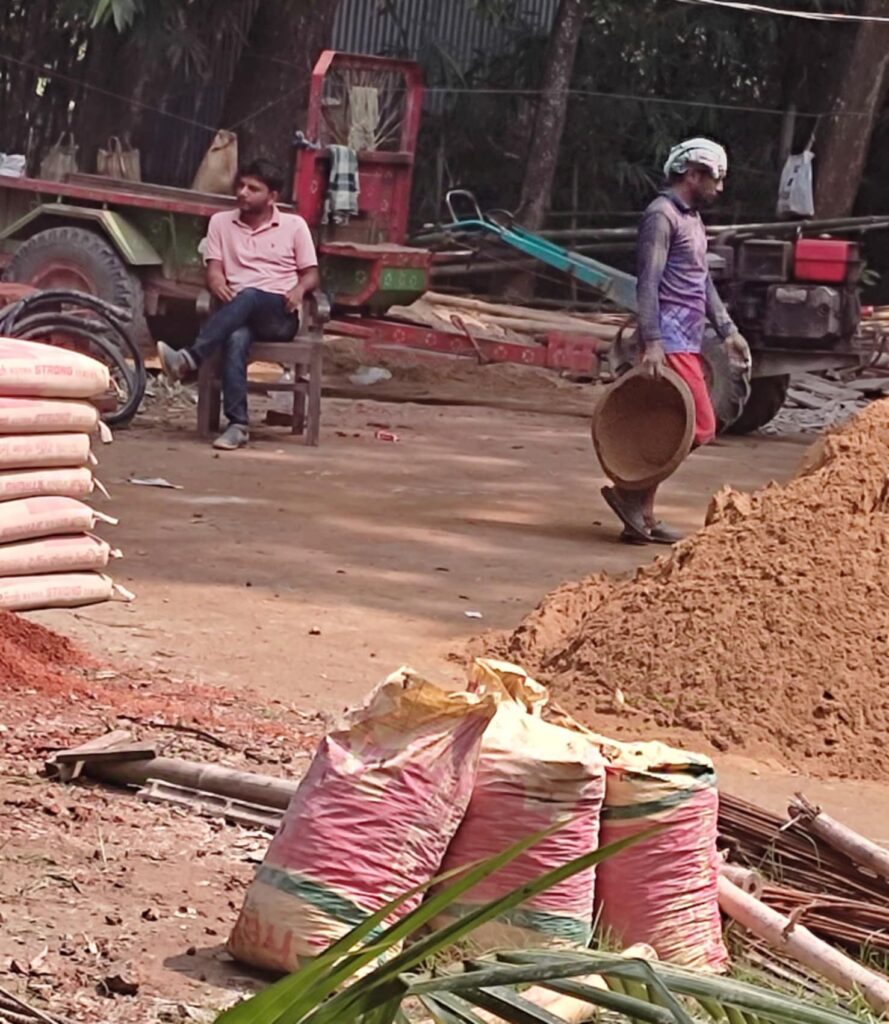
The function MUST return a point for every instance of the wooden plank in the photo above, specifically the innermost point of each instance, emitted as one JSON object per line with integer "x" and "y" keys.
{"x": 866, "y": 384}
{"x": 126, "y": 752}
{"x": 818, "y": 386}
{"x": 70, "y": 771}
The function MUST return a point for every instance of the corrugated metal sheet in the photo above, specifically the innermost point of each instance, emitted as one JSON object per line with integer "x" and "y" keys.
{"x": 453, "y": 26}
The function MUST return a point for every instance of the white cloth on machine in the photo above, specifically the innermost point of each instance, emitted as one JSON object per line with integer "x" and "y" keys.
{"x": 343, "y": 186}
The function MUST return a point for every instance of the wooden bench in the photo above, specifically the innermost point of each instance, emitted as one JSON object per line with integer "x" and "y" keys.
{"x": 303, "y": 357}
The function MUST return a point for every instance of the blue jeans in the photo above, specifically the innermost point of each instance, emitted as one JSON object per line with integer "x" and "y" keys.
{"x": 251, "y": 314}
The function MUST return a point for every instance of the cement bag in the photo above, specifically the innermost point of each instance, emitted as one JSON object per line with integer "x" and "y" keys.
{"x": 35, "y": 370}
{"x": 65, "y": 590}
{"x": 45, "y": 517}
{"x": 35, "y": 483}
{"x": 78, "y": 553}
{"x": 47, "y": 416}
{"x": 531, "y": 774}
{"x": 663, "y": 890}
{"x": 33, "y": 451}
{"x": 372, "y": 818}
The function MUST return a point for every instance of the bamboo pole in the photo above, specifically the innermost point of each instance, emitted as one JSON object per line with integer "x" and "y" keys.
{"x": 744, "y": 878}
{"x": 856, "y": 847}
{"x": 797, "y": 941}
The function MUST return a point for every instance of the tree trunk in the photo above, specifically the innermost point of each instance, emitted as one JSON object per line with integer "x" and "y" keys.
{"x": 843, "y": 145}
{"x": 269, "y": 94}
{"x": 549, "y": 123}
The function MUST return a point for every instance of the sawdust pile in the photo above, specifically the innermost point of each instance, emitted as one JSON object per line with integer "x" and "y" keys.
{"x": 767, "y": 629}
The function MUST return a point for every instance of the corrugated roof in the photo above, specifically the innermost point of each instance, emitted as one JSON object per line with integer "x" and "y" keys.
{"x": 455, "y": 26}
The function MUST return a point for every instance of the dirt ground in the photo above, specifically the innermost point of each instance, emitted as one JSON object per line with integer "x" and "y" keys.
{"x": 296, "y": 578}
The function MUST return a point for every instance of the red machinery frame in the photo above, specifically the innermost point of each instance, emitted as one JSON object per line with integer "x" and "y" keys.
{"x": 386, "y": 175}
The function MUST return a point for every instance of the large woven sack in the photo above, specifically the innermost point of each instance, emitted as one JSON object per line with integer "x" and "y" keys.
{"x": 47, "y": 416}
{"x": 219, "y": 168}
{"x": 663, "y": 890}
{"x": 35, "y": 370}
{"x": 62, "y": 590}
{"x": 35, "y": 483}
{"x": 77, "y": 553}
{"x": 120, "y": 160}
{"x": 531, "y": 775}
{"x": 60, "y": 160}
{"x": 36, "y": 451}
{"x": 27, "y": 518}
{"x": 371, "y": 819}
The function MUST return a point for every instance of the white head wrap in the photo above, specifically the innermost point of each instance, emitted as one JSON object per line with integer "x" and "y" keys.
{"x": 701, "y": 152}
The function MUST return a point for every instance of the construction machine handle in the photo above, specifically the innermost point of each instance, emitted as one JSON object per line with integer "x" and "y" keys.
{"x": 469, "y": 197}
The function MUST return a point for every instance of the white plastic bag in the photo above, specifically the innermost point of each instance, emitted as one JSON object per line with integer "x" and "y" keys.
{"x": 796, "y": 197}
{"x": 12, "y": 165}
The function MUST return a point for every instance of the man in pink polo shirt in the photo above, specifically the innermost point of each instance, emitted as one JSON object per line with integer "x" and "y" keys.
{"x": 261, "y": 263}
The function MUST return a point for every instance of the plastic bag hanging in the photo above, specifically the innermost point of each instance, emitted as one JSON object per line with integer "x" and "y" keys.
{"x": 796, "y": 197}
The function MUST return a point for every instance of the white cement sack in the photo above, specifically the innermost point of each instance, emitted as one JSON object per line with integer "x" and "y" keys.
{"x": 31, "y": 369}
{"x": 64, "y": 590}
{"x": 35, "y": 483}
{"x": 47, "y": 416}
{"x": 78, "y": 553}
{"x": 34, "y": 451}
{"x": 28, "y": 518}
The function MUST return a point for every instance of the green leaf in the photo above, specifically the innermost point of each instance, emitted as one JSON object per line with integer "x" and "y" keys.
{"x": 457, "y": 930}
{"x": 298, "y": 994}
{"x": 448, "y": 1009}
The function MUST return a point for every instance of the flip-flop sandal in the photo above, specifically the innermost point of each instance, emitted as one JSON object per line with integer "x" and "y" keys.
{"x": 640, "y": 534}
{"x": 661, "y": 534}
{"x": 628, "y": 537}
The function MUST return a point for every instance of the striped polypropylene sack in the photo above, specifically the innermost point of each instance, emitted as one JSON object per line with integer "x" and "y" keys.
{"x": 371, "y": 819}
{"x": 662, "y": 890}
{"x": 531, "y": 776}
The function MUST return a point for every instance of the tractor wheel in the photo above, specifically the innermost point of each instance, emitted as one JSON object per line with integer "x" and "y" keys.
{"x": 767, "y": 395}
{"x": 78, "y": 259}
{"x": 729, "y": 391}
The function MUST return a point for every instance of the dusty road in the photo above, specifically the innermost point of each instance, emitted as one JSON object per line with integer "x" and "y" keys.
{"x": 298, "y": 575}
{"x": 308, "y": 574}
{"x": 383, "y": 547}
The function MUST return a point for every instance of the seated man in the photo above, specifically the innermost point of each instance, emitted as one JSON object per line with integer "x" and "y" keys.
{"x": 260, "y": 265}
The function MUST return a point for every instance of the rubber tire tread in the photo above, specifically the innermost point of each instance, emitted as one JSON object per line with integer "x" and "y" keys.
{"x": 111, "y": 277}
{"x": 767, "y": 395}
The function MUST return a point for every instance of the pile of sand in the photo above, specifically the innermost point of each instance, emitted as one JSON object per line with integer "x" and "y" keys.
{"x": 770, "y": 627}
{"x": 34, "y": 657}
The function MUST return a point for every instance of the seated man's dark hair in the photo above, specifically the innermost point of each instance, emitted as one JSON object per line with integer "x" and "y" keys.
{"x": 267, "y": 172}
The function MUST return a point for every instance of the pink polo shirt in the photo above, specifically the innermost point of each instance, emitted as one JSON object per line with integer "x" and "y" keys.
{"x": 269, "y": 257}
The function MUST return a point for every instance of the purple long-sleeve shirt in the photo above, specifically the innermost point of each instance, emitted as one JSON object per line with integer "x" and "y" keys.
{"x": 676, "y": 295}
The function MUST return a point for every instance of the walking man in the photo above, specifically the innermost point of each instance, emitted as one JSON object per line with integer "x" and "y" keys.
{"x": 261, "y": 264}
{"x": 676, "y": 299}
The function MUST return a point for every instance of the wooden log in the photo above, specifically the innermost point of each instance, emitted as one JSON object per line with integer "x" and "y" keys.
{"x": 498, "y": 308}
{"x": 856, "y": 847}
{"x": 265, "y": 790}
{"x": 798, "y": 942}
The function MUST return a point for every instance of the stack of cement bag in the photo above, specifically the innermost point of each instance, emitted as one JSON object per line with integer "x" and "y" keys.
{"x": 49, "y": 557}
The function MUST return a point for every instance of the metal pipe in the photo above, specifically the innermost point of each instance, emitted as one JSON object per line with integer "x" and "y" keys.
{"x": 250, "y": 787}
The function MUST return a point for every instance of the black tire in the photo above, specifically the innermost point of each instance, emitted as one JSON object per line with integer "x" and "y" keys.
{"x": 767, "y": 395}
{"x": 81, "y": 260}
{"x": 729, "y": 390}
